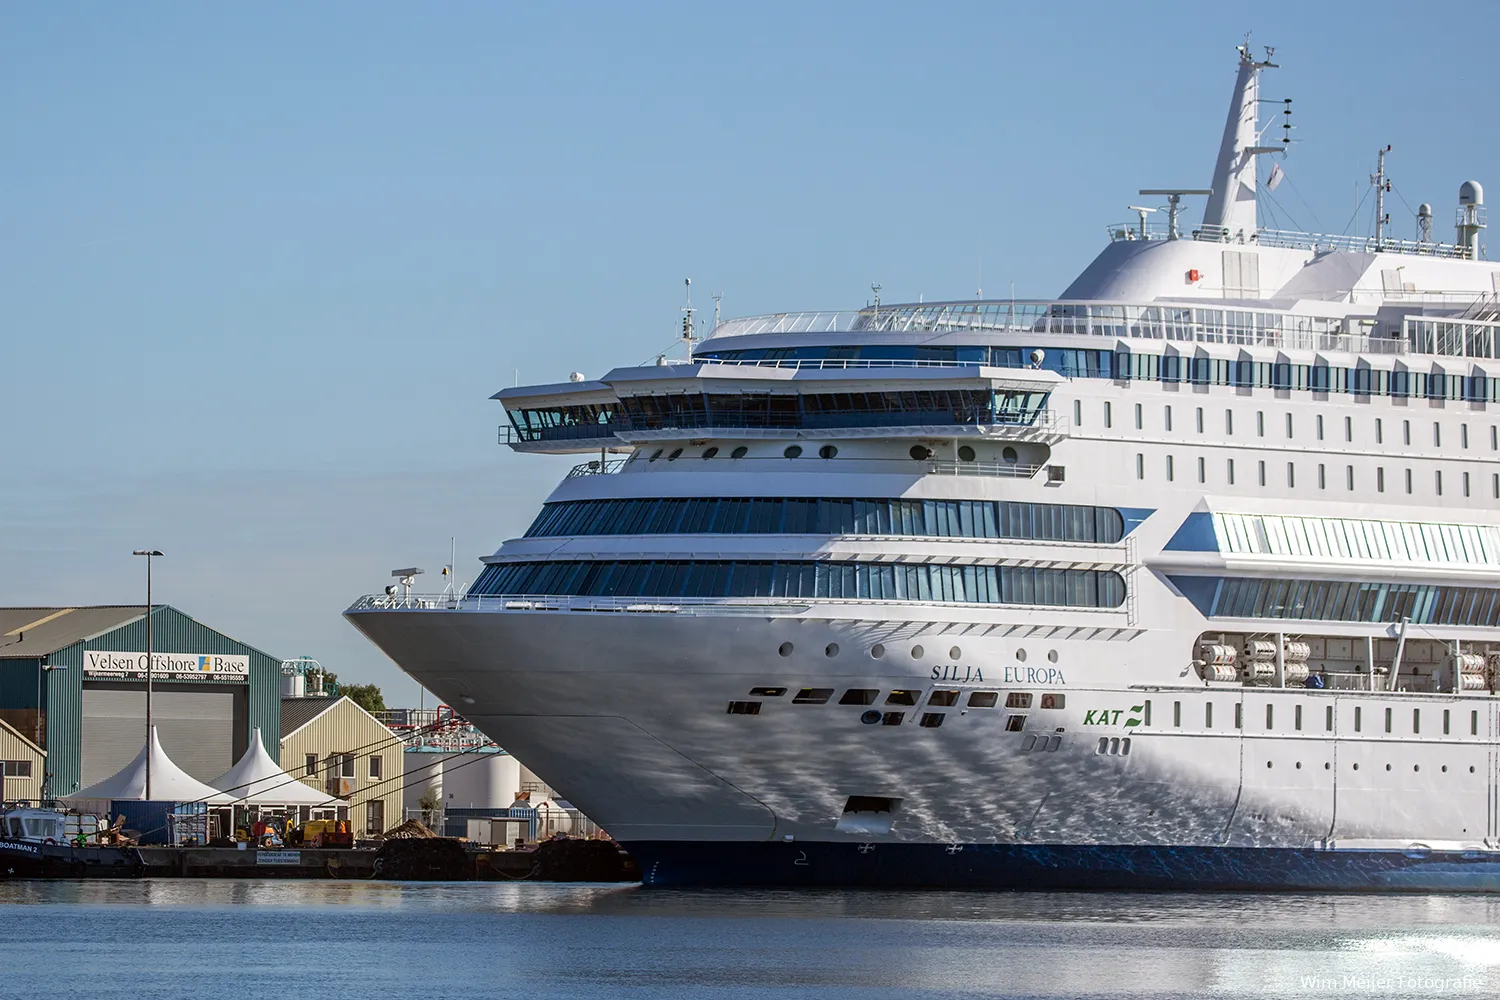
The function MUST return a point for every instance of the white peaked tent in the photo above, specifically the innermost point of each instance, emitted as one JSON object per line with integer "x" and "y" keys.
{"x": 258, "y": 780}
{"x": 169, "y": 783}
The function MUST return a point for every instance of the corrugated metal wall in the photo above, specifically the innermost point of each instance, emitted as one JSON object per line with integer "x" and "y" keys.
{"x": 347, "y": 728}
{"x": 172, "y": 632}
{"x": 12, "y": 748}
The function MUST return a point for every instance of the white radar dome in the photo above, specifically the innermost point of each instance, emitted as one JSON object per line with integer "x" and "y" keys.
{"x": 1470, "y": 193}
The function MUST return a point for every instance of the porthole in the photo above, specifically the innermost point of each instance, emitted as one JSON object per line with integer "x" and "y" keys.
{"x": 870, "y": 718}
{"x": 1051, "y": 656}
{"x": 793, "y": 451}
{"x": 710, "y": 452}
{"x": 955, "y": 653}
{"x": 739, "y": 452}
{"x": 1445, "y": 768}
{"x": 1356, "y": 767}
{"x": 1299, "y": 765}
{"x": 1327, "y": 766}
{"x": 828, "y": 451}
{"x": 1471, "y": 768}
{"x": 916, "y": 652}
{"x": 1009, "y": 454}
{"x": 1388, "y": 767}
{"x": 965, "y": 453}
{"x": 920, "y": 452}
{"x": 832, "y": 649}
{"x": 676, "y": 454}
{"x": 1268, "y": 764}
{"x": 655, "y": 455}
{"x": 785, "y": 649}
{"x": 1416, "y": 767}
{"x": 1021, "y": 655}
{"x": 877, "y": 651}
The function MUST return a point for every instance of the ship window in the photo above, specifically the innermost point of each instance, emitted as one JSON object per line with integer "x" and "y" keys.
{"x": 710, "y": 453}
{"x": 1231, "y": 472}
{"x": 1169, "y": 468}
{"x": 1015, "y": 723}
{"x": 1260, "y": 423}
{"x": 1466, "y": 484}
{"x": 984, "y": 699}
{"x": 1202, "y": 469}
{"x": 1380, "y": 479}
{"x": 1167, "y": 417}
{"x": 1208, "y": 715}
{"x": 901, "y": 698}
{"x": 1177, "y": 714}
{"x": 1416, "y": 721}
{"x": 1348, "y": 428}
{"x": 655, "y": 455}
{"x": 1200, "y": 420}
{"x": 1437, "y": 434}
{"x": 1388, "y": 720}
{"x": 1328, "y": 718}
{"x": 965, "y": 453}
{"x": 1054, "y": 701}
{"x": 1322, "y": 477}
{"x": 1473, "y": 726}
{"x": 1018, "y": 699}
{"x": 1262, "y": 473}
{"x": 1140, "y": 466}
{"x": 931, "y": 720}
{"x": 1077, "y": 413}
{"x": 1008, "y": 454}
{"x": 743, "y": 708}
{"x": 859, "y": 696}
{"x": 812, "y": 696}
{"x": 1289, "y": 425}
{"x": 1291, "y": 474}
{"x": 739, "y": 452}
{"x": 1463, "y": 435}
{"x": 674, "y": 455}
{"x": 1319, "y": 424}
{"x": 1406, "y": 433}
{"x": 1139, "y": 419}
{"x": 1297, "y": 717}
{"x": 1349, "y": 477}
{"x": 1239, "y": 715}
{"x": 1229, "y": 422}
{"x": 1379, "y": 431}
{"x": 1269, "y": 710}
{"x": 793, "y": 451}
{"x": 767, "y": 692}
{"x": 943, "y": 699}
{"x": 1437, "y": 482}
{"x": 1358, "y": 718}
{"x": 892, "y": 718}
{"x": 1109, "y": 417}
{"x": 1447, "y": 721}
{"x": 828, "y": 451}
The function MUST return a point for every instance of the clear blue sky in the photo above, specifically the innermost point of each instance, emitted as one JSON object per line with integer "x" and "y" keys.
{"x": 262, "y": 265}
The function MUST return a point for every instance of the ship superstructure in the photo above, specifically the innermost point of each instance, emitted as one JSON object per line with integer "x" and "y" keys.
{"x": 1188, "y": 578}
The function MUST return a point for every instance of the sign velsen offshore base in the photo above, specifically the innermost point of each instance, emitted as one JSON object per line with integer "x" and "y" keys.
{"x": 169, "y": 666}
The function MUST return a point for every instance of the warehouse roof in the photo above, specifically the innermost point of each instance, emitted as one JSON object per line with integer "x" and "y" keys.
{"x": 30, "y": 632}
{"x": 298, "y": 712}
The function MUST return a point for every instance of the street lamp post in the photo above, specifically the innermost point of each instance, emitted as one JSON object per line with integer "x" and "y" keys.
{"x": 150, "y": 661}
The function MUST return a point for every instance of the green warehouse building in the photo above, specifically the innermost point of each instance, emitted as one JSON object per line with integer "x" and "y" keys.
{"x": 73, "y": 680}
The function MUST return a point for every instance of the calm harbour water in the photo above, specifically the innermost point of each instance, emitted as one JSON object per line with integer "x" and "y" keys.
{"x": 329, "y": 940}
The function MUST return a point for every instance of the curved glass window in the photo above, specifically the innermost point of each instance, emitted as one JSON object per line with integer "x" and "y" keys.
{"x": 1332, "y": 601}
{"x": 1047, "y": 522}
{"x": 1349, "y": 538}
{"x": 1070, "y": 588}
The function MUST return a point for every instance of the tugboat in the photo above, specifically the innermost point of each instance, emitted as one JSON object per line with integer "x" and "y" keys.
{"x": 45, "y": 842}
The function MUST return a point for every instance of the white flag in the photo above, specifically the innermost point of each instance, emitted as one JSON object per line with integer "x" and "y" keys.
{"x": 1276, "y": 175}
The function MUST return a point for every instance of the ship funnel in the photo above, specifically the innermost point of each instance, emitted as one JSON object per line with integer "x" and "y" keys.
{"x": 1471, "y": 217}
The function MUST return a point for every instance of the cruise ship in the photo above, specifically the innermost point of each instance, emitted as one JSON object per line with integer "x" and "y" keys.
{"x": 1188, "y": 578}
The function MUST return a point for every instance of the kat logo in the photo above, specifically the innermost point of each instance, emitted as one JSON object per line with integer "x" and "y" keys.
{"x": 1111, "y": 716}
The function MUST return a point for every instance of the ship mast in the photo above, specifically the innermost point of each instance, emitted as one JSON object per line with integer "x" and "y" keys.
{"x": 1231, "y": 207}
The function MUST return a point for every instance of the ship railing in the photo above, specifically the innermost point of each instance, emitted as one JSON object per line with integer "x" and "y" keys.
{"x": 706, "y": 606}
{"x": 1205, "y": 322}
{"x": 932, "y": 466}
{"x": 596, "y": 467}
{"x": 1286, "y": 238}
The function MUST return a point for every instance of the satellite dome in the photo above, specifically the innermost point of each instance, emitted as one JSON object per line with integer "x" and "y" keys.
{"x": 1470, "y": 193}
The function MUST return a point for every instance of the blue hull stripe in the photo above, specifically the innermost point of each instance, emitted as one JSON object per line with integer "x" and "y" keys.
{"x": 1032, "y": 866}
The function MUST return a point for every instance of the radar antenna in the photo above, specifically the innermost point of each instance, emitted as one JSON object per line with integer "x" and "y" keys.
{"x": 1143, "y": 212}
{"x": 1174, "y": 204}
{"x": 1382, "y": 184}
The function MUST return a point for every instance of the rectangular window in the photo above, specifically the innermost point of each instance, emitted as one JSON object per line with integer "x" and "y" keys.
{"x": 1379, "y": 431}
{"x": 1388, "y": 720}
{"x": 1437, "y": 434}
{"x": 1239, "y": 715}
{"x": 1297, "y": 718}
{"x": 907, "y": 698}
{"x": 931, "y": 720}
{"x": 820, "y": 696}
{"x": 1262, "y": 473}
{"x": 1231, "y": 475}
{"x": 377, "y": 764}
{"x": 1168, "y": 417}
{"x": 1319, "y": 423}
{"x": 1147, "y": 715}
{"x": 1202, "y": 469}
{"x": 1018, "y": 699}
{"x": 1358, "y": 718}
{"x": 1228, "y": 421}
{"x": 1200, "y": 420}
{"x": 1269, "y": 717}
{"x": 1015, "y": 723}
{"x": 983, "y": 699}
{"x": 1077, "y": 412}
{"x": 1108, "y": 416}
{"x": 346, "y": 765}
{"x": 1406, "y": 433}
{"x": 1177, "y": 715}
{"x": 1291, "y": 475}
{"x": 1416, "y": 721}
{"x": 1260, "y": 423}
{"x": 1437, "y": 482}
{"x": 1322, "y": 477}
{"x": 1054, "y": 701}
{"x": 1328, "y": 718}
{"x": 1348, "y": 428}
{"x": 1466, "y": 484}
{"x": 15, "y": 769}
{"x": 1169, "y": 468}
{"x": 1474, "y": 723}
{"x": 310, "y": 765}
{"x": 1289, "y": 426}
{"x": 374, "y": 817}
{"x": 1408, "y": 480}
{"x": 1139, "y": 417}
{"x": 1208, "y": 715}
{"x": 1140, "y": 466}
{"x": 1495, "y": 485}
{"x": 1463, "y": 435}
{"x": 743, "y": 708}
{"x": 1380, "y": 480}
{"x": 1348, "y": 477}
{"x": 859, "y": 696}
